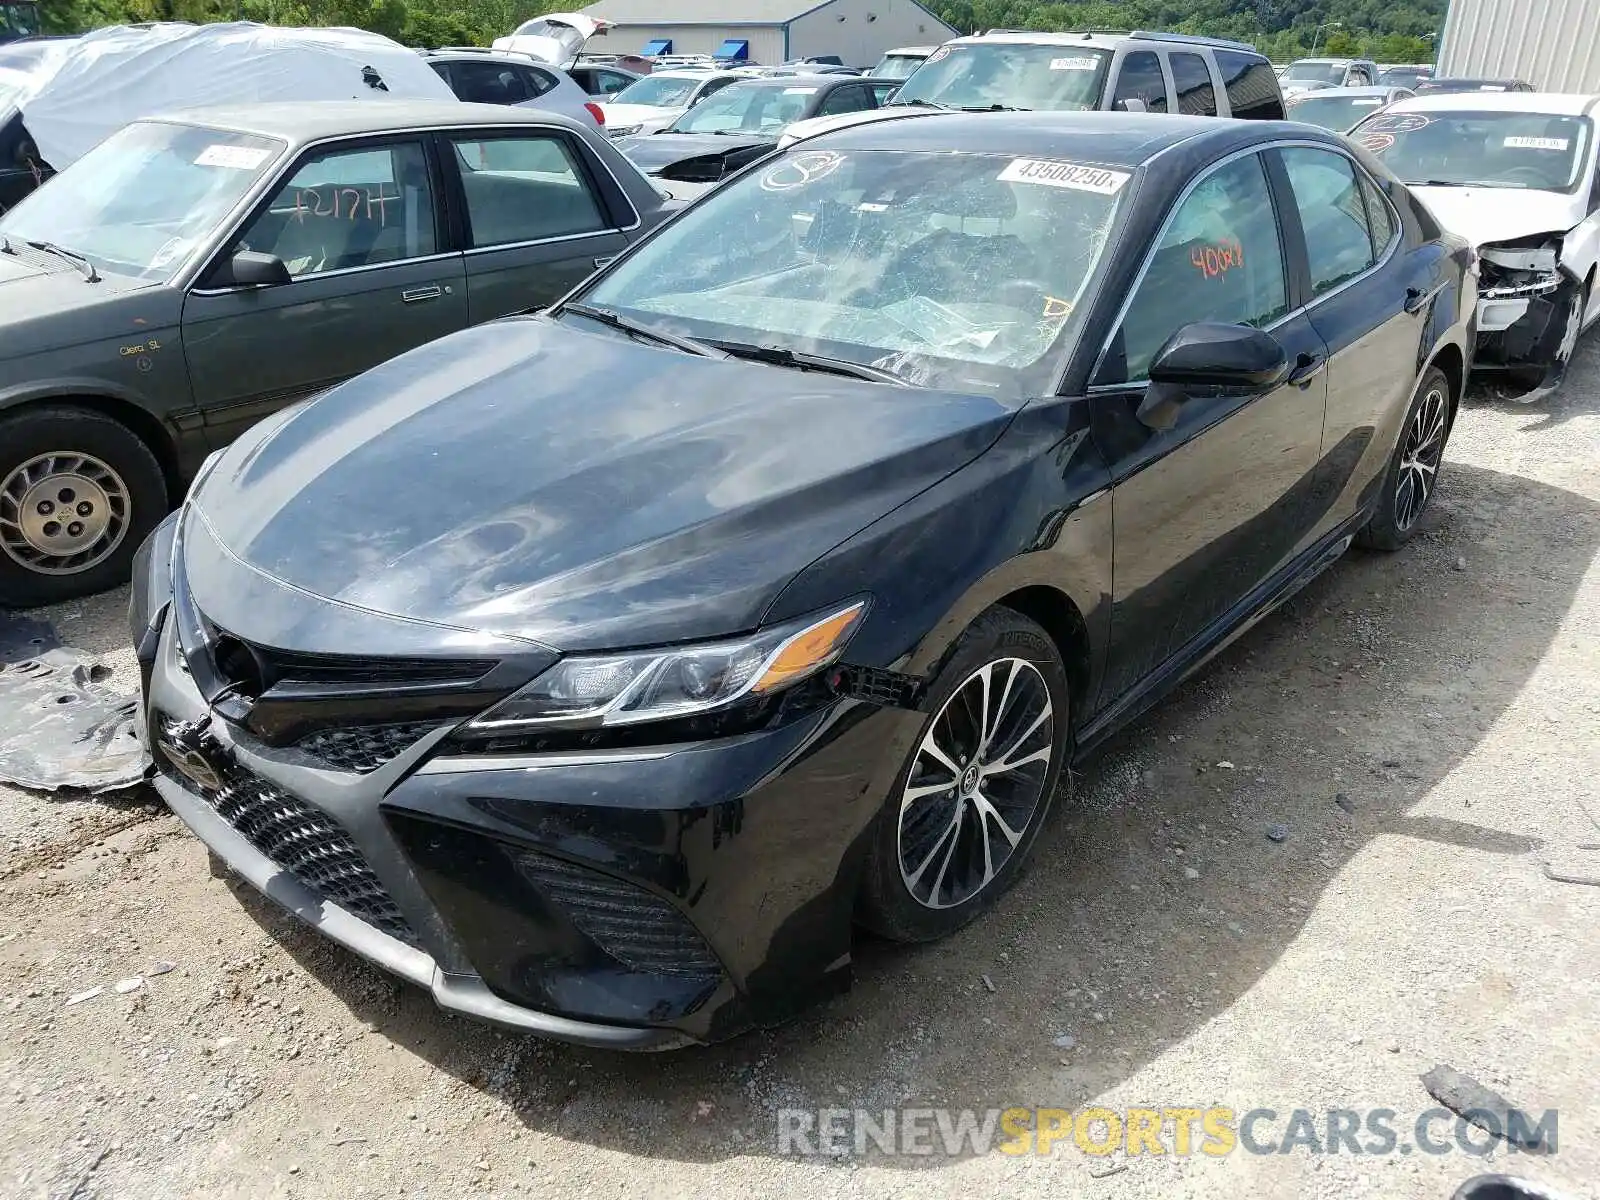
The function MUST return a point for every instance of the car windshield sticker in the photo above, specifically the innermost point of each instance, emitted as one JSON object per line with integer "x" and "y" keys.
{"x": 1064, "y": 175}
{"x": 801, "y": 169}
{"x": 1217, "y": 260}
{"x": 941, "y": 52}
{"x": 1057, "y": 309}
{"x": 1537, "y": 143}
{"x": 1074, "y": 64}
{"x": 866, "y": 207}
{"x": 1371, "y": 102}
{"x": 799, "y": 91}
{"x": 1377, "y": 142}
{"x": 239, "y": 158}
{"x": 1400, "y": 123}
{"x": 1491, "y": 87}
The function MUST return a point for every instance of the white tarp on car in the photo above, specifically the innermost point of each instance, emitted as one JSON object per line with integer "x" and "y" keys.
{"x": 81, "y": 91}
{"x": 555, "y": 37}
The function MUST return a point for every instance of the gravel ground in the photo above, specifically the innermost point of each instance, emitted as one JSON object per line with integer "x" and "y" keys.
{"x": 1423, "y": 725}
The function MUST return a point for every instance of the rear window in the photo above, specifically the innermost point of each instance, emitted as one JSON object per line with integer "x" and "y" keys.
{"x": 1008, "y": 75}
{"x": 1253, "y": 91}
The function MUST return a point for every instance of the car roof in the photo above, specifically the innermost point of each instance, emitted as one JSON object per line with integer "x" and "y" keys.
{"x": 748, "y": 82}
{"x": 301, "y": 121}
{"x": 1113, "y": 138}
{"x": 693, "y": 73}
{"x": 924, "y": 50}
{"x": 1332, "y": 62}
{"x": 1552, "y": 103}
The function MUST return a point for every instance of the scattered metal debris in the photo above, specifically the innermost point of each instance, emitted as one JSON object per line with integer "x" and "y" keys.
{"x": 1277, "y": 833}
{"x": 24, "y": 637}
{"x": 80, "y": 997}
{"x": 1118, "y": 1169}
{"x": 61, "y": 726}
{"x": 1488, "y": 1110}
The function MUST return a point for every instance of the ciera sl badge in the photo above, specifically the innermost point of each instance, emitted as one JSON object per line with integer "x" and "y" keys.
{"x": 197, "y": 755}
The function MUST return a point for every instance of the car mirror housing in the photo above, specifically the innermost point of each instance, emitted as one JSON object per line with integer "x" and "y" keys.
{"x": 251, "y": 268}
{"x": 1210, "y": 354}
{"x": 1133, "y": 104}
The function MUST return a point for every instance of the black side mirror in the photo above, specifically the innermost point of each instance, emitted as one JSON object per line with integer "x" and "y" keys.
{"x": 250, "y": 268}
{"x": 1208, "y": 354}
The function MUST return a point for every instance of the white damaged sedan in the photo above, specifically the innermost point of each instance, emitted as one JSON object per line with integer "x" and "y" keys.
{"x": 1515, "y": 174}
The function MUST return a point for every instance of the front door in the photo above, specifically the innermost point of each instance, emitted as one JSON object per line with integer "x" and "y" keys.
{"x": 1208, "y": 510}
{"x": 536, "y": 223}
{"x": 371, "y": 277}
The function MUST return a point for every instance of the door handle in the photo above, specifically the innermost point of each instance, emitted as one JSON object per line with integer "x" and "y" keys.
{"x": 412, "y": 295}
{"x": 1306, "y": 368}
{"x": 1417, "y": 298}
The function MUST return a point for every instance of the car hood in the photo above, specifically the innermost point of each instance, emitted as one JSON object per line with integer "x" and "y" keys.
{"x": 580, "y": 490}
{"x": 1485, "y": 215}
{"x": 46, "y": 303}
{"x": 651, "y": 154}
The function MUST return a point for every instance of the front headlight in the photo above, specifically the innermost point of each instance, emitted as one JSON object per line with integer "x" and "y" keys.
{"x": 678, "y": 681}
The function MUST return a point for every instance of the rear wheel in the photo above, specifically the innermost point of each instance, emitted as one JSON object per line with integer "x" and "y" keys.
{"x": 78, "y": 493}
{"x": 1414, "y": 467}
{"x": 967, "y": 806}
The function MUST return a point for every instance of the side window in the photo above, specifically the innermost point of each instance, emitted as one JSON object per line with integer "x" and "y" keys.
{"x": 1141, "y": 79}
{"x": 1253, "y": 91}
{"x": 349, "y": 208}
{"x": 1338, "y": 240}
{"x": 538, "y": 82}
{"x": 1380, "y": 217}
{"x": 488, "y": 83}
{"x": 525, "y": 188}
{"x": 712, "y": 88}
{"x": 611, "y": 83}
{"x": 1191, "y": 77}
{"x": 1220, "y": 259}
{"x": 853, "y": 98}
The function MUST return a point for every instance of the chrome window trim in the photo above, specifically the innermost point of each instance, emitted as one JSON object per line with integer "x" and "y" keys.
{"x": 340, "y": 273}
{"x": 603, "y": 231}
{"x": 1150, "y": 252}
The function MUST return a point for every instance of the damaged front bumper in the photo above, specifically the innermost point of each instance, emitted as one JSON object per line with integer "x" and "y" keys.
{"x": 1530, "y": 309}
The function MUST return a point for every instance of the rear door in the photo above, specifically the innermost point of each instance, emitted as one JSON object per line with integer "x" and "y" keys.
{"x": 1207, "y": 511}
{"x": 538, "y": 212}
{"x": 372, "y": 273}
{"x": 1193, "y": 86}
{"x": 1369, "y": 298}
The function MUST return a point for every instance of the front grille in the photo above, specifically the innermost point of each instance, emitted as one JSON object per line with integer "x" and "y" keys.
{"x": 633, "y": 926}
{"x": 363, "y": 748}
{"x": 302, "y": 840}
{"x": 251, "y": 669}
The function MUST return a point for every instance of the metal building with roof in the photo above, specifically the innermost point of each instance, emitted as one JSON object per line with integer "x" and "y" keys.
{"x": 768, "y": 31}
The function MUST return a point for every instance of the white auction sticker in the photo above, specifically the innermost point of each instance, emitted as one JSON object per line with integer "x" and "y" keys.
{"x": 239, "y": 158}
{"x": 1074, "y": 64}
{"x": 1537, "y": 143}
{"x": 1360, "y": 103}
{"x": 799, "y": 91}
{"x": 1066, "y": 175}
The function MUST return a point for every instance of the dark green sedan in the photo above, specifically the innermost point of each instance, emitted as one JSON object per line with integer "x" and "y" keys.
{"x": 194, "y": 273}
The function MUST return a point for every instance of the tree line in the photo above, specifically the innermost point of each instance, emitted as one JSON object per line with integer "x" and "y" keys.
{"x": 1386, "y": 30}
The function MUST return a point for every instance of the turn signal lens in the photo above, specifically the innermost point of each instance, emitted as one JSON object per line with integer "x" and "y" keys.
{"x": 809, "y": 650}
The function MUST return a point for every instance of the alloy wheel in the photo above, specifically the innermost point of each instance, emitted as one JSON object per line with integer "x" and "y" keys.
{"x": 62, "y": 512}
{"x": 977, "y": 780}
{"x": 1420, "y": 458}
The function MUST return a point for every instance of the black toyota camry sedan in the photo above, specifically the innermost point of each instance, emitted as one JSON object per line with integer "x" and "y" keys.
{"x": 603, "y": 670}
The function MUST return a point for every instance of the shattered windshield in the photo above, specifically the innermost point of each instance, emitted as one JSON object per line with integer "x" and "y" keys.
{"x": 659, "y": 91}
{"x": 1053, "y": 78}
{"x": 747, "y": 108}
{"x": 946, "y": 270}
{"x": 1535, "y": 151}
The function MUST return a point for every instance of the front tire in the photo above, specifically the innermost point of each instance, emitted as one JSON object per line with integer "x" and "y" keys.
{"x": 1413, "y": 474}
{"x": 967, "y": 805}
{"x": 78, "y": 493}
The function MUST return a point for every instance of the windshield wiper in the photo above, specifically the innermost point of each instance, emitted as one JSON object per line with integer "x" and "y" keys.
{"x": 637, "y": 329}
{"x": 799, "y": 360}
{"x": 993, "y": 108}
{"x": 72, "y": 256}
{"x": 921, "y": 104}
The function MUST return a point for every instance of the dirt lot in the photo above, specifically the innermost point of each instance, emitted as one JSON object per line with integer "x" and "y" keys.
{"x": 1426, "y": 726}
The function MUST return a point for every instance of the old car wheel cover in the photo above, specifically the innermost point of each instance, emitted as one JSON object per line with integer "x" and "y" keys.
{"x": 62, "y": 513}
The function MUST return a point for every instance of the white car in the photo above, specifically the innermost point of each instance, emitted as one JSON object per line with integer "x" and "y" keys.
{"x": 660, "y": 98}
{"x": 1515, "y": 174}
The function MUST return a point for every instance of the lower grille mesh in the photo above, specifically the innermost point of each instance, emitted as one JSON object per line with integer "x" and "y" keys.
{"x": 306, "y": 843}
{"x": 363, "y": 748}
{"x": 635, "y": 927}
